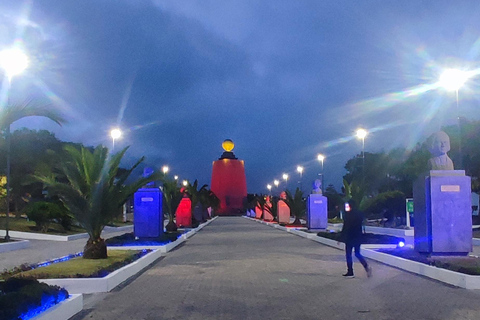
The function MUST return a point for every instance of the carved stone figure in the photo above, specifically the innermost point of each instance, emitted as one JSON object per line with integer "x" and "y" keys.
{"x": 317, "y": 187}
{"x": 439, "y": 144}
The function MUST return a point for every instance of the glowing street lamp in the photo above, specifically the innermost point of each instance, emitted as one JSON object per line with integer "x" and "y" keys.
{"x": 276, "y": 183}
{"x": 300, "y": 171}
{"x": 13, "y": 61}
{"x": 285, "y": 177}
{"x": 175, "y": 177}
{"x": 165, "y": 169}
{"x": 269, "y": 187}
{"x": 453, "y": 80}
{"x": 185, "y": 183}
{"x": 115, "y": 134}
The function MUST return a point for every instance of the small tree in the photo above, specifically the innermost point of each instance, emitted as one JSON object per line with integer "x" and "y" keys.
{"x": 172, "y": 195}
{"x": 297, "y": 205}
{"x": 94, "y": 192}
{"x": 272, "y": 207}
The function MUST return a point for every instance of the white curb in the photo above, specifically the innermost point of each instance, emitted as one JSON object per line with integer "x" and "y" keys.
{"x": 16, "y": 245}
{"x": 105, "y": 284}
{"x": 64, "y": 310}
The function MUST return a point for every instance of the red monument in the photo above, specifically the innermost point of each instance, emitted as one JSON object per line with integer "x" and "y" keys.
{"x": 228, "y": 181}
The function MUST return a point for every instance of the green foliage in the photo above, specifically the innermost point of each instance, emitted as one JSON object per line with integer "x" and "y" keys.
{"x": 172, "y": 195}
{"x": 194, "y": 193}
{"x": 272, "y": 207}
{"x": 94, "y": 190}
{"x": 353, "y": 191}
{"x": 42, "y": 213}
{"x": 389, "y": 204}
{"x": 19, "y": 295}
{"x": 296, "y": 203}
{"x": 335, "y": 201}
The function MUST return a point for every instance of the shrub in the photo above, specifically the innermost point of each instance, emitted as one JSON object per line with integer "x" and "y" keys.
{"x": 43, "y": 213}
{"x": 21, "y": 296}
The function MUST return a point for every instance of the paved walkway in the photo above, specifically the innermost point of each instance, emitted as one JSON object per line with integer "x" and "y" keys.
{"x": 238, "y": 269}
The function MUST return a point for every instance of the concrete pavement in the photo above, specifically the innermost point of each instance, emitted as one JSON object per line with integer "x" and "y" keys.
{"x": 238, "y": 269}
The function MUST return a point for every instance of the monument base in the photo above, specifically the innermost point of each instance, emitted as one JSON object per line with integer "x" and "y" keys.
{"x": 147, "y": 214}
{"x": 442, "y": 205}
{"x": 317, "y": 212}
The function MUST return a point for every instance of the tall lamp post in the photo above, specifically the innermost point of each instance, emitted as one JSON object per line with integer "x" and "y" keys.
{"x": 453, "y": 80}
{"x": 13, "y": 61}
{"x": 115, "y": 134}
{"x": 361, "y": 134}
{"x": 320, "y": 158}
{"x": 300, "y": 171}
{"x": 276, "y": 183}
{"x": 285, "y": 177}
{"x": 269, "y": 187}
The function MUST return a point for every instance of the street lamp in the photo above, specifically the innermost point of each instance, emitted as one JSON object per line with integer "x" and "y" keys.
{"x": 300, "y": 171}
{"x": 285, "y": 177}
{"x": 276, "y": 183}
{"x": 175, "y": 177}
{"x": 115, "y": 134}
{"x": 453, "y": 80}
{"x": 165, "y": 169}
{"x": 185, "y": 183}
{"x": 361, "y": 134}
{"x": 13, "y": 61}
{"x": 269, "y": 187}
{"x": 320, "y": 158}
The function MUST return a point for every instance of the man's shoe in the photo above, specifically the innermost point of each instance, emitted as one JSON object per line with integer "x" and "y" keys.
{"x": 369, "y": 271}
{"x": 348, "y": 275}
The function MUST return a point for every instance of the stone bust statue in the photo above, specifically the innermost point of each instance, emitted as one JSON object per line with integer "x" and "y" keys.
{"x": 317, "y": 187}
{"x": 439, "y": 144}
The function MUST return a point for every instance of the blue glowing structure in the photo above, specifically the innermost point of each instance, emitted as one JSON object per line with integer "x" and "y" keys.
{"x": 48, "y": 301}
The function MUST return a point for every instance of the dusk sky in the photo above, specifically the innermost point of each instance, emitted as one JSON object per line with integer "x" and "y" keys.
{"x": 285, "y": 80}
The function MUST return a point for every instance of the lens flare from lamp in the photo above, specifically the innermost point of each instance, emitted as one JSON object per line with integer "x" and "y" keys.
{"x": 13, "y": 61}
{"x": 361, "y": 133}
{"x": 453, "y": 79}
{"x": 228, "y": 145}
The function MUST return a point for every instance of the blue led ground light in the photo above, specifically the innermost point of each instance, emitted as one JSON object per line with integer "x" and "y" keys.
{"x": 48, "y": 301}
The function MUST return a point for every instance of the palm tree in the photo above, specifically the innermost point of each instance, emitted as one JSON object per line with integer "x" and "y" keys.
{"x": 172, "y": 195}
{"x": 209, "y": 199}
{"x": 297, "y": 205}
{"x": 194, "y": 194}
{"x": 95, "y": 190}
{"x": 272, "y": 207}
{"x": 9, "y": 115}
{"x": 260, "y": 202}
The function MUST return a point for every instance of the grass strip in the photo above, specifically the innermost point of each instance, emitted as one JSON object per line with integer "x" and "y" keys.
{"x": 84, "y": 268}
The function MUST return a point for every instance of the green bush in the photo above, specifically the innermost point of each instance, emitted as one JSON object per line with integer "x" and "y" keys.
{"x": 19, "y": 296}
{"x": 43, "y": 213}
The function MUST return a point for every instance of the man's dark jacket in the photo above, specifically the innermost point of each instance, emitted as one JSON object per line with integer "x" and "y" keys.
{"x": 352, "y": 227}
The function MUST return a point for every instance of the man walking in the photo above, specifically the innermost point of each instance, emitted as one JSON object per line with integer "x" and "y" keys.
{"x": 352, "y": 236}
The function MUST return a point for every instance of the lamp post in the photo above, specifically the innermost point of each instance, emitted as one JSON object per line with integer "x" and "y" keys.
{"x": 115, "y": 134}
{"x": 453, "y": 80}
{"x": 300, "y": 171}
{"x": 185, "y": 183}
{"x": 13, "y": 61}
{"x": 269, "y": 187}
{"x": 276, "y": 183}
{"x": 361, "y": 134}
{"x": 285, "y": 177}
{"x": 320, "y": 158}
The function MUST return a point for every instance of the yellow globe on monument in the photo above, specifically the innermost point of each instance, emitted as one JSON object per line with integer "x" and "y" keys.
{"x": 228, "y": 145}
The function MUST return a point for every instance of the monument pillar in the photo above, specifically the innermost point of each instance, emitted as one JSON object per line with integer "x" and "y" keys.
{"x": 229, "y": 181}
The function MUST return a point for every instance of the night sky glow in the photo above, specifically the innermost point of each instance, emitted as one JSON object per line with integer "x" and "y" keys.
{"x": 285, "y": 80}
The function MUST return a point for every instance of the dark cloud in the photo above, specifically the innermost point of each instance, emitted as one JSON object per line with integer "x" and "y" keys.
{"x": 284, "y": 79}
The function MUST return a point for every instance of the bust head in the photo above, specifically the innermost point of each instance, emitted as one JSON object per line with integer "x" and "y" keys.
{"x": 439, "y": 144}
{"x": 317, "y": 186}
